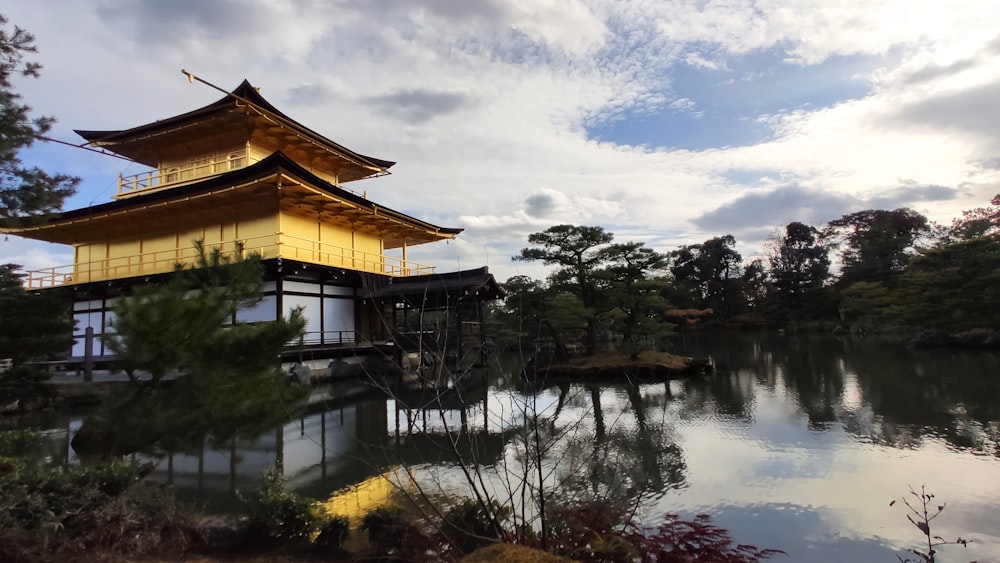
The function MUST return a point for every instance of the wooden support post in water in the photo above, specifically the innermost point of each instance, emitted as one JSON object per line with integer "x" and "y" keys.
{"x": 88, "y": 354}
{"x": 279, "y": 450}
{"x": 232, "y": 465}
{"x": 322, "y": 443}
{"x": 201, "y": 469}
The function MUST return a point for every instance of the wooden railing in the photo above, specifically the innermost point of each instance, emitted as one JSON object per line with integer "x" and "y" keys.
{"x": 329, "y": 337}
{"x": 189, "y": 171}
{"x": 318, "y": 252}
{"x": 194, "y": 170}
{"x": 277, "y": 245}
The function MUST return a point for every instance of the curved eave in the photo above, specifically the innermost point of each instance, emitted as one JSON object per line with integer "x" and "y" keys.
{"x": 298, "y": 186}
{"x": 440, "y": 290}
{"x": 109, "y": 139}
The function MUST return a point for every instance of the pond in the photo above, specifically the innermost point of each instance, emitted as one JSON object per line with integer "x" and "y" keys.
{"x": 797, "y": 443}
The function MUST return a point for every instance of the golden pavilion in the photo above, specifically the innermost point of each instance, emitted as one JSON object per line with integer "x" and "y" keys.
{"x": 238, "y": 173}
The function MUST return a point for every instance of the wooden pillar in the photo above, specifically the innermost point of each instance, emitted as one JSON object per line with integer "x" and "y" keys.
{"x": 88, "y": 354}
{"x": 481, "y": 319}
{"x": 461, "y": 333}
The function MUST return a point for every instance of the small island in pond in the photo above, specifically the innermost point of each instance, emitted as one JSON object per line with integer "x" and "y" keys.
{"x": 620, "y": 365}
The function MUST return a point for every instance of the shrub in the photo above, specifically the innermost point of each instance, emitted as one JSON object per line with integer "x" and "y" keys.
{"x": 281, "y": 516}
{"x": 27, "y": 386}
{"x": 142, "y": 520}
{"x": 384, "y": 526}
{"x": 697, "y": 538}
{"x": 333, "y": 531}
{"x": 589, "y": 531}
{"x": 87, "y": 513}
{"x": 16, "y": 442}
{"x": 395, "y": 535}
{"x": 476, "y": 525}
{"x": 13, "y": 445}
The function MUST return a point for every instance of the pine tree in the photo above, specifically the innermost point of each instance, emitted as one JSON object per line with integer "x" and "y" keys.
{"x": 26, "y": 193}
{"x": 34, "y": 326}
{"x": 228, "y": 379}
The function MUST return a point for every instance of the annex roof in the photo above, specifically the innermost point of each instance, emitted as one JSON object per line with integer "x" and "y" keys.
{"x": 441, "y": 290}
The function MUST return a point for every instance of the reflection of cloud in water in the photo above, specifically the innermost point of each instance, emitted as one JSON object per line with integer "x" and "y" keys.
{"x": 783, "y": 526}
{"x": 836, "y": 487}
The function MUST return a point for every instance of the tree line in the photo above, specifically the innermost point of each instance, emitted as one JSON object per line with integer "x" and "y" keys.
{"x": 870, "y": 269}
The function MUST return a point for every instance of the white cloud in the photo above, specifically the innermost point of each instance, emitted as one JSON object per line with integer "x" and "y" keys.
{"x": 486, "y": 105}
{"x": 698, "y": 60}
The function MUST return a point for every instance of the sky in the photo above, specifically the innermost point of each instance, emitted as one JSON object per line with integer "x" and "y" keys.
{"x": 664, "y": 122}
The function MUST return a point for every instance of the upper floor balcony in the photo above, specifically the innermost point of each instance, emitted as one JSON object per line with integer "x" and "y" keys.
{"x": 193, "y": 170}
{"x": 190, "y": 171}
{"x": 278, "y": 245}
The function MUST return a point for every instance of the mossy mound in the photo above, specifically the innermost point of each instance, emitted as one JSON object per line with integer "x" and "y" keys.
{"x": 510, "y": 553}
{"x": 615, "y": 365}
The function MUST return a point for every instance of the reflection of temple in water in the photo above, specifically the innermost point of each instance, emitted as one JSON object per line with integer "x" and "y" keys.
{"x": 352, "y": 438}
{"x": 341, "y": 443}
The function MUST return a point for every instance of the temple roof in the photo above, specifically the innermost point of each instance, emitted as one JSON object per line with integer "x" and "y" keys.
{"x": 299, "y": 188}
{"x": 440, "y": 290}
{"x": 240, "y": 114}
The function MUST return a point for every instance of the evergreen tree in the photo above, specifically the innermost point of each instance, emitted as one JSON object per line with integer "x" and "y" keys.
{"x": 800, "y": 267}
{"x": 954, "y": 286}
{"x": 26, "y": 193}
{"x": 534, "y": 311}
{"x": 577, "y": 250}
{"x": 710, "y": 274}
{"x": 866, "y": 303}
{"x": 876, "y": 244}
{"x": 229, "y": 382}
{"x": 599, "y": 285}
{"x": 34, "y": 326}
{"x": 978, "y": 222}
{"x": 631, "y": 290}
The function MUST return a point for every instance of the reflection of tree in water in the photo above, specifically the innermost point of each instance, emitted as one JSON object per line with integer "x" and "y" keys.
{"x": 900, "y": 396}
{"x": 631, "y": 455}
{"x": 184, "y": 416}
{"x": 953, "y": 394}
{"x": 804, "y": 366}
{"x": 811, "y": 369}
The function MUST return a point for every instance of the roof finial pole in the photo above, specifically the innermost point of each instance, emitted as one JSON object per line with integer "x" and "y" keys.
{"x": 192, "y": 78}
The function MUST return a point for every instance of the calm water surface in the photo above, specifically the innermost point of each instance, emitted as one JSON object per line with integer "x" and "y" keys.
{"x": 800, "y": 443}
{"x": 796, "y": 443}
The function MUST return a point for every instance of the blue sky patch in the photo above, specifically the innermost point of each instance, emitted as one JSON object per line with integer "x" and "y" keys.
{"x": 720, "y": 108}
